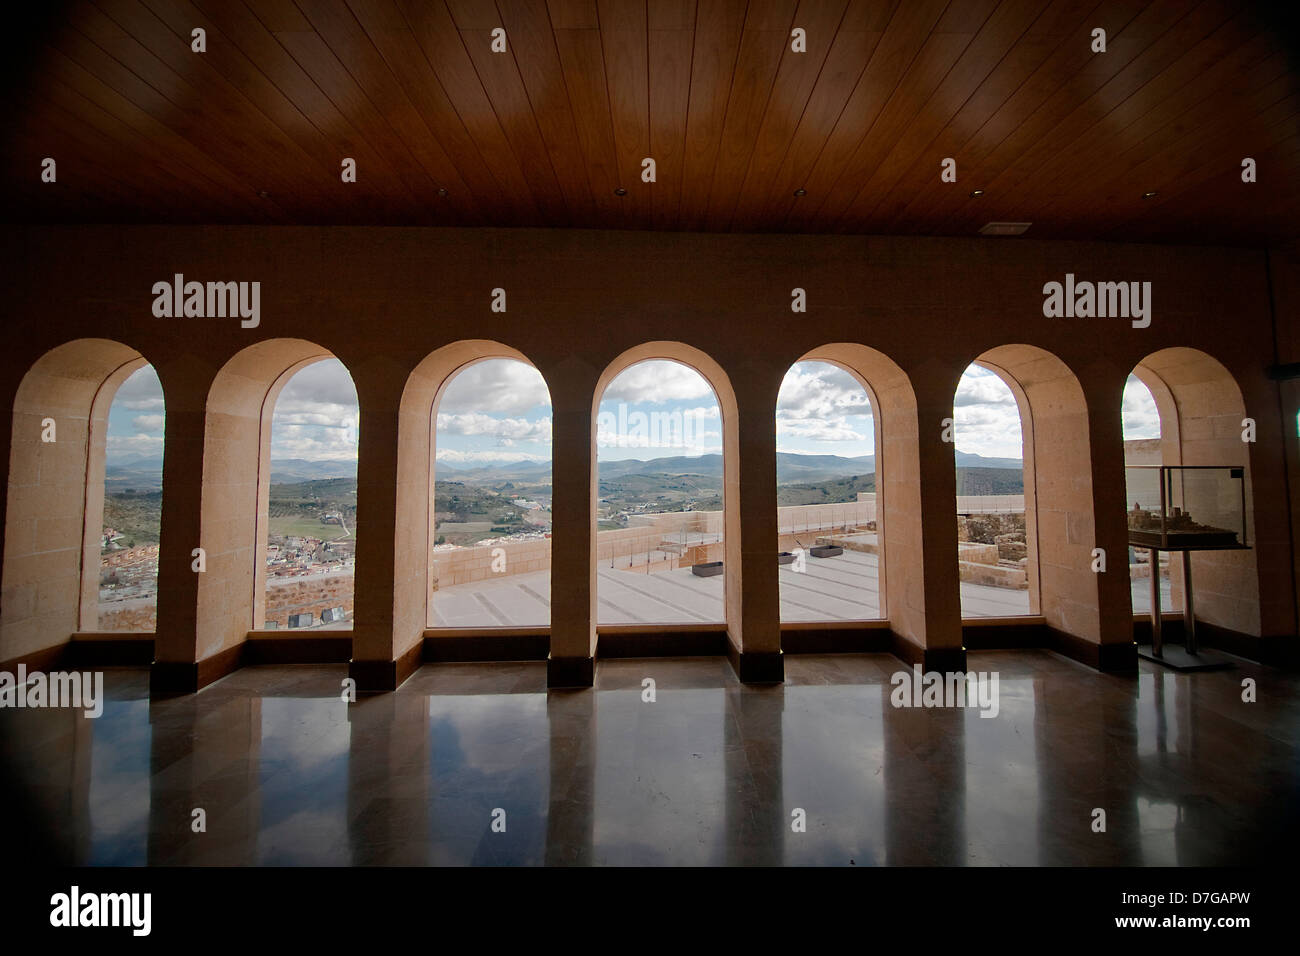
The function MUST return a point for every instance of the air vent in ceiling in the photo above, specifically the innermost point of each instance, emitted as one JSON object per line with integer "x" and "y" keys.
{"x": 1004, "y": 228}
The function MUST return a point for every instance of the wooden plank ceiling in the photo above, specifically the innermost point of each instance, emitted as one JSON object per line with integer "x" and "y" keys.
{"x": 747, "y": 135}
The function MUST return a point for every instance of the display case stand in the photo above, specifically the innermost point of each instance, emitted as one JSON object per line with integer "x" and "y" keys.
{"x": 1188, "y": 657}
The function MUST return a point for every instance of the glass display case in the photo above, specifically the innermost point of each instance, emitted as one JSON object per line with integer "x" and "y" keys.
{"x": 1186, "y": 507}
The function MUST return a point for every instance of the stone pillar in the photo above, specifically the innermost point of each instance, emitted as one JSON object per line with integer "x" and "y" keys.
{"x": 1114, "y": 595}
{"x": 394, "y": 491}
{"x": 176, "y": 639}
{"x": 44, "y": 543}
{"x": 573, "y": 527}
{"x": 924, "y": 592}
{"x": 1060, "y": 496}
{"x": 222, "y": 438}
{"x": 752, "y": 584}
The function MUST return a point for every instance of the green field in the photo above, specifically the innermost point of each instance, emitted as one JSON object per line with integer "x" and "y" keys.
{"x": 660, "y": 492}
{"x": 464, "y": 527}
{"x": 835, "y": 491}
{"x": 307, "y": 526}
{"x": 137, "y": 516}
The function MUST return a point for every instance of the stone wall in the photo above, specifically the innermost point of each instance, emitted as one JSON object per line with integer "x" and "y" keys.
{"x": 138, "y": 615}
{"x": 647, "y": 544}
{"x": 115, "y": 559}
{"x": 992, "y": 575}
{"x": 309, "y": 594}
{"x": 717, "y": 302}
{"x": 453, "y": 566}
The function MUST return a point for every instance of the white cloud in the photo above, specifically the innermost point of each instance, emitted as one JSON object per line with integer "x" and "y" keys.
{"x": 702, "y": 412}
{"x": 147, "y": 423}
{"x": 629, "y": 426}
{"x": 321, "y": 383}
{"x": 985, "y": 415}
{"x": 316, "y": 415}
{"x": 657, "y": 381}
{"x": 456, "y": 456}
{"x": 506, "y": 429}
{"x": 692, "y": 443}
{"x": 818, "y": 430}
{"x": 1141, "y": 418}
{"x": 141, "y": 392}
{"x": 133, "y": 445}
{"x": 985, "y": 388}
{"x": 823, "y": 403}
{"x": 504, "y": 386}
{"x": 312, "y": 444}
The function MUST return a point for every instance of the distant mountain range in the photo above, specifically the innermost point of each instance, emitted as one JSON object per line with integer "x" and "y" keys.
{"x": 789, "y": 467}
{"x": 138, "y": 472}
{"x": 290, "y": 470}
{"x": 144, "y": 472}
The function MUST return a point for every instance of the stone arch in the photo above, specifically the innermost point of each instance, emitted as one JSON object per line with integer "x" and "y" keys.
{"x": 414, "y": 534}
{"x": 231, "y": 593}
{"x": 898, "y": 470}
{"x": 55, "y": 494}
{"x": 1060, "y": 524}
{"x": 718, "y": 380}
{"x": 1201, "y": 410}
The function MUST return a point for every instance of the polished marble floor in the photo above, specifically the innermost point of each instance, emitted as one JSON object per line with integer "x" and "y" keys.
{"x": 710, "y": 772}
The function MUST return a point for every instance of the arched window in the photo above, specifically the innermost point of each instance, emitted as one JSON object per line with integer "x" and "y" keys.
{"x": 659, "y": 509}
{"x": 311, "y": 519}
{"x": 1200, "y": 411}
{"x": 994, "y": 557}
{"x": 1143, "y": 449}
{"x": 491, "y": 534}
{"x": 54, "y": 518}
{"x": 827, "y": 496}
{"x": 132, "y": 513}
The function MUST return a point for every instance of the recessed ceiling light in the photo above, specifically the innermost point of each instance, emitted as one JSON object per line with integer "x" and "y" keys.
{"x": 620, "y": 191}
{"x": 263, "y": 194}
{"x": 1151, "y": 195}
{"x": 801, "y": 191}
{"x": 442, "y": 192}
{"x": 976, "y": 193}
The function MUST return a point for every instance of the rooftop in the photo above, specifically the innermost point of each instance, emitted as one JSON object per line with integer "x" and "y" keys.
{"x": 842, "y": 588}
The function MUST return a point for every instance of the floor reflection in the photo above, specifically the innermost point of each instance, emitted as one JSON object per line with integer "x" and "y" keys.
{"x": 479, "y": 765}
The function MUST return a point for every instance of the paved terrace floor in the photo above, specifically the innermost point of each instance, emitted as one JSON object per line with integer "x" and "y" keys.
{"x": 842, "y": 588}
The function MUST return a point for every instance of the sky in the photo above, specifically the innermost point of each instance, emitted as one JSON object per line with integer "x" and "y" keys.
{"x": 315, "y": 416}
{"x": 986, "y": 418}
{"x": 657, "y": 409}
{"x": 494, "y": 411}
{"x": 1141, "y": 420}
{"x": 499, "y": 411}
{"x": 823, "y": 410}
{"x": 135, "y": 419}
